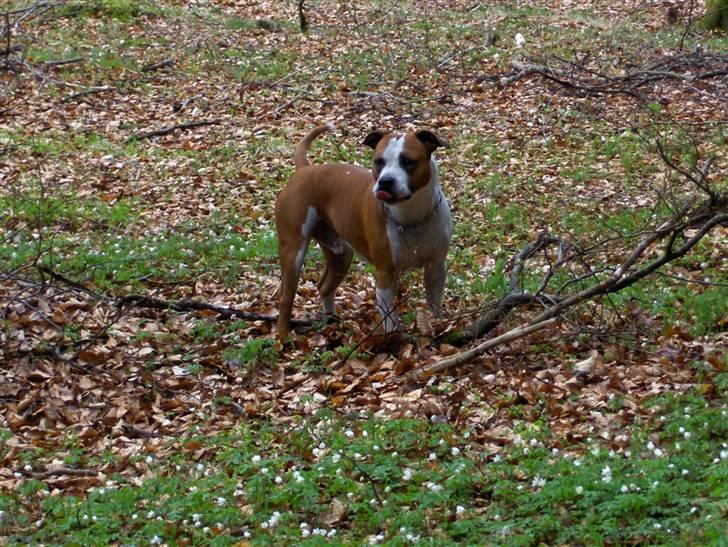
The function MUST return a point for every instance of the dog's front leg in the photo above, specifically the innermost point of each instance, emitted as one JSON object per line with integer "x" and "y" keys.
{"x": 386, "y": 287}
{"x": 435, "y": 277}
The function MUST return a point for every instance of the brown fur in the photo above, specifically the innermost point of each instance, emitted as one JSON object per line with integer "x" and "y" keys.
{"x": 343, "y": 199}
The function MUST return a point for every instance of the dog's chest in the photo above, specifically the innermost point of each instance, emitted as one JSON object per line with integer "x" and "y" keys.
{"x": 415, "y": 246}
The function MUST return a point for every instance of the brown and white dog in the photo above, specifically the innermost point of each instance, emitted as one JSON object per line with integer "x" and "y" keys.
{"x": 395, "y": 216}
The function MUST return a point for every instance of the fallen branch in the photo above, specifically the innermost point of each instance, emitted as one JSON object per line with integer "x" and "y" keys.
{"x": 688, "y": 68}
{"x": 601, "y": 88}
{"x": 71, "y": 471}
{"x": 62, "y": 62}
{"x": 465, "y": 356}
{"x": 71, "y": 283}
{"x": 143, "y": 301}
{"x": 173, "y": 128}
{"x": 85, "y": 92}
{"x": 156, "y": 66}
{"x": 11, "y": 49}
{"x": 618, "y": 280}
{"x": 517, "y": 297}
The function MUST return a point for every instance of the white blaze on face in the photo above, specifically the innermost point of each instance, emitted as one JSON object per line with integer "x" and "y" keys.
{"x": 393, "y": 168}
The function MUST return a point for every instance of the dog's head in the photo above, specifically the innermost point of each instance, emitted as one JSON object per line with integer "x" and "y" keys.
{"x": 401, "y": 162}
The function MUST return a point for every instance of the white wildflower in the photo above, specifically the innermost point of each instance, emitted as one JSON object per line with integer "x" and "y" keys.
{"x": 607, "y": 475}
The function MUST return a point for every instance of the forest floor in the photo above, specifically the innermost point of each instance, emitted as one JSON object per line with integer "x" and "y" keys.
{"x": 129, "y": 424}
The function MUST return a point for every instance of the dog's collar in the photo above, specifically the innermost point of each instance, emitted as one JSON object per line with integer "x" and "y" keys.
{"x": 402, "y": 228}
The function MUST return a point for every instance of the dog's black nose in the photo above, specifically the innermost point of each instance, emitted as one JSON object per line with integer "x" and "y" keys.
{"x": 386, "y": 183}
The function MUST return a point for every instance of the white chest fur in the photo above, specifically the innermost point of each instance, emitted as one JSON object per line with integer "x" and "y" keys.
{"x": 416, "y": 244}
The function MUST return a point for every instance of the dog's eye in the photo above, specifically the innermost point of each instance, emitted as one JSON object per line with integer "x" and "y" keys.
{"x": 379, "y": 163}
{"x": 407, "y": 163}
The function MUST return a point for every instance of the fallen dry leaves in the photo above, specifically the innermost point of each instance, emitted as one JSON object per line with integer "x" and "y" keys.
{"x": 123, "y": 382}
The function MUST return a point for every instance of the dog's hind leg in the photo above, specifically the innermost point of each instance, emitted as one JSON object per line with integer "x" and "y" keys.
{"x": 338, "y": 262}
{"x": 338, "y": 255}
{"x": 292, "y": 253}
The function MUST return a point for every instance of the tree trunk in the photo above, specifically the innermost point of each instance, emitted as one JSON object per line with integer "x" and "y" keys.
{"x": 716, "y": 15}
{"x": 303, "y": 22}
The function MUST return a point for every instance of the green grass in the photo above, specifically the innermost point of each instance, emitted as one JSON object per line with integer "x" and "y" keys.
{"x": 122, "y": 10}
{"x": 92, "y": 239}
{"x": 401, "y": 479}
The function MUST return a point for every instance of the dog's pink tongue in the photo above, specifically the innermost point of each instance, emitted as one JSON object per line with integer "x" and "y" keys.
{"x": 381, "y": 194}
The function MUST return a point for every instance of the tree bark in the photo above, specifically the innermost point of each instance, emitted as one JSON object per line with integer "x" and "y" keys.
{"x": 302, "y": 21}
{"x": 716, "y": 15}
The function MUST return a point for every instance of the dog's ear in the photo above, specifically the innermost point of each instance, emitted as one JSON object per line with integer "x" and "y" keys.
{"x": 373, "y": 139}
{"x": 431, "y": 141}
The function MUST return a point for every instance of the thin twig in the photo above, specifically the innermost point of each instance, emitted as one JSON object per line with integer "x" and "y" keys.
{"x": 143, "y": 301}
{"x": 156, "y": 66}
{"x": 173, "y": 128}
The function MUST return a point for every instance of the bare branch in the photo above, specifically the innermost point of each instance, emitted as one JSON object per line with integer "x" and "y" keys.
{"x": 173, "y": 128}
{"x": 143, "y": 301}
{"x": 465, "y": 356}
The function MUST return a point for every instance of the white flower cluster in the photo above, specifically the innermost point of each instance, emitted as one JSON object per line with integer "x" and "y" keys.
{"x": 306, "y": 531}
{"x": 297, "y": 476}
{"x": 723, "y": 453}
{"x": 656, "y": 451}
{"x": 272, "y": 521}
{"x": 408, "y": 535}
{"x": 607, "y": 475}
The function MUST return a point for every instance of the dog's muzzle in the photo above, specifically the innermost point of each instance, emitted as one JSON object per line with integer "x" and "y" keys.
{"x": 385, "y": 190}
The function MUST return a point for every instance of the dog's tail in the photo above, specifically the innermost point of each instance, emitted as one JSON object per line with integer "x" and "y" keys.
{"x": 299, "y": 158}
